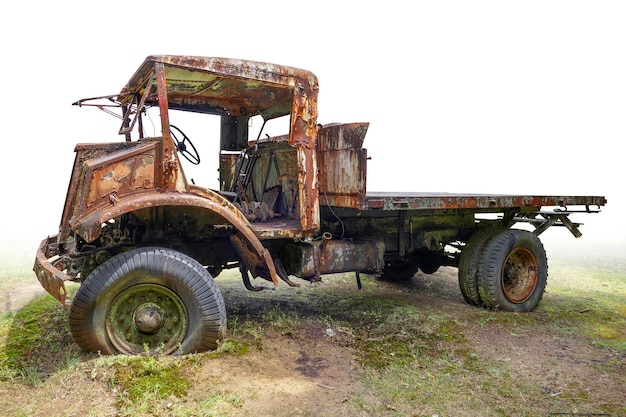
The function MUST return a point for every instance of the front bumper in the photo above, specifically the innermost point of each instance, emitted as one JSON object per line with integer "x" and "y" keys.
{"x": 50, "y": 276}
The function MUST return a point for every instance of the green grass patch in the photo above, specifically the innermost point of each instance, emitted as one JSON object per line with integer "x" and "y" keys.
{"x": 585, "y": 301}
{"x": 230, "y": 347}
{"x": 148, "y": 385}
{"x": 591, "y": 301}
{"x": 413, "y": 336}
{"x": 142, "y": 379}
{"x": 36, "y": 341}
{"x": 216, "y": 404}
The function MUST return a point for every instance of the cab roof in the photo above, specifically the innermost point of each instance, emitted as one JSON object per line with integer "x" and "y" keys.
{"x": 223, "y": 86}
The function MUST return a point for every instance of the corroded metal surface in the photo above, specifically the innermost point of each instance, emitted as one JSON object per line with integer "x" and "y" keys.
{"x": 342, "y": 162}
{"x": 228, "y": 86}
{"x": 311, "y": 259}
{"x": 423, "y": 201}
{"x": 106, "y": 177}
{"x": 75, "y": 202}
{"x": 131, "y": 174}
{"x": 336, "y": 136}
{"x": 51, "y": 278}
{"x": 231, "y": 87}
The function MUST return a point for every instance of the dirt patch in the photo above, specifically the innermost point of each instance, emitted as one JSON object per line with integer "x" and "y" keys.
{"x": 17, "y": 297}
{"x": 287, "y": 377}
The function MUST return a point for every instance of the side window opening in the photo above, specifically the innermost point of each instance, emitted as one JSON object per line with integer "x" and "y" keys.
{"x": 262, "y": 130}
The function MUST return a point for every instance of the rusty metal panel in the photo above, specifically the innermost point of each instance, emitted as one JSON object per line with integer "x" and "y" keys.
{"x": 226, "y": 85}
{"x": 51, "y": 278}
{"x": 343, "y": 165}
{"x": 276, "y": 166}
{"x": 342, "y": 177}
{"x": 336, "y": 136}
{"x": 228, "y": 160}
{"x": 130, "y": 174}
{"x": 109, "y": 177}
{"x": 313, "y": 258}
{"x": 304, "y": 138}
{"x": 421, "y": 201}
{"x": 75, "y": 203}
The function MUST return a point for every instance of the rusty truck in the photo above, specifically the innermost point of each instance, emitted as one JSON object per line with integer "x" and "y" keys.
{"x": 145, "y": 239}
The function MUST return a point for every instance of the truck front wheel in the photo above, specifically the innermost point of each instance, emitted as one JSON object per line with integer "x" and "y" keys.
{"x": 514, "y": 271}
{"x": 148, "y": 299}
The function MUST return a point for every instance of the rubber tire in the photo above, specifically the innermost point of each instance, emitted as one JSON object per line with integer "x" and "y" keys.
{"x": 492, "y": 270}
{"x": 468, "y": 264}
{"x": 177, "y": 273}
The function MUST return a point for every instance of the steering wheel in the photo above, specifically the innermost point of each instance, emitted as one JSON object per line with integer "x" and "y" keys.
{"x": 185, "y": 146}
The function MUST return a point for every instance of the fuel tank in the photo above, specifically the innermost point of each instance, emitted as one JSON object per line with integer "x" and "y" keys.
{"x": 312, "y": 258}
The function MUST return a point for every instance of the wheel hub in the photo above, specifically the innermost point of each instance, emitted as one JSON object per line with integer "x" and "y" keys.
{"x": 147, "y": 317}
{"x": 520, "y": 275}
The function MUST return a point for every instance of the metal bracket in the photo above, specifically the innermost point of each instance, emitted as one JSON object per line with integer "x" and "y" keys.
{"x": 543, "y": 220}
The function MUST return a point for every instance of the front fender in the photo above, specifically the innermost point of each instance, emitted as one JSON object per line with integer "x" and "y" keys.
{"x": 89, "y": 226}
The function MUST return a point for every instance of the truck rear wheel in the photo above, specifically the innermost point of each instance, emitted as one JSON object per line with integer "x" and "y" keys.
{"x": 468, "y": 264}
{"x": 514, "y": 271}
{"x": 148, "y": 299}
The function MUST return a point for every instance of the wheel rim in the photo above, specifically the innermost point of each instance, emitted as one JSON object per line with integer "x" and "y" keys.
{"x": 520, "y": 275}
{"x": 147, "y": 317}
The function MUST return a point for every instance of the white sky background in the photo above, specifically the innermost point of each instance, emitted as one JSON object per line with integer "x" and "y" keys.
{"x": 462, "y": 96}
